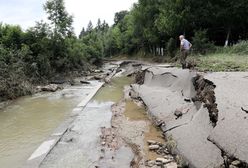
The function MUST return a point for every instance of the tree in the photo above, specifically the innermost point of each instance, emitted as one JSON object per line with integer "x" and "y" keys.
{"x": 82, "y": 33}
{"x": 119, "y": 16}
{"x": 60, "y": 19}
{"x": 89, "y": 27}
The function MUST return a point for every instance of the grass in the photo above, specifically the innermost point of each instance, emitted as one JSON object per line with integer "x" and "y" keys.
{"x": 229, "y": 59}
{"x": 218, "y": 62}
{"x": 214, "y": 62}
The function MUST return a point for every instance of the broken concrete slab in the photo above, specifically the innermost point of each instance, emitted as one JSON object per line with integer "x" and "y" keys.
{"x": 192, "y": 143}
{"x": 231, "y": 134}
{"x": 164, "y": 91}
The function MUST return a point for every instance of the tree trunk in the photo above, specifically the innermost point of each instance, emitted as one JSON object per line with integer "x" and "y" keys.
{"x": 227, "y": 37}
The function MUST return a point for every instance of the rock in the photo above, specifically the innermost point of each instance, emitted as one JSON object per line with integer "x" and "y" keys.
{"x": 171, "y": 165}
{"x": 154, "y": 147}
{"x": 98, "y": 71}
{"x": 163, "y": 160}
{"x": 155, "y": 166}
{"x": 232, "y": 166}
{"x": 103, "y": 143}
{"x": 236, "y": 163}
{"x": 107, "y": 80}
{"x": 151, "y": 142}
{"x": 168, "y": 157}
{"x": 50, "y": 88}
{"x": 58, "y": 82}
{"x": 187, "y": 100}
{"x": 151, "y": 163}
{"x": 134, "y": 94}
{"x": 178, "y": 113}
{"x": 85, "y": 82}
{"x": 159, "y": 163}
{"x": 98, "y": 77}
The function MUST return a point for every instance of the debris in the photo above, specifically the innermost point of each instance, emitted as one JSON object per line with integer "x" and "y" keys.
{"x": 236, "y": 163}
{"x": 49, "y": 88}
{"x": 163, "y": 160}
{"x": 154, "y": 147}
{"x": 85, "y": 82}
{"x": 178, "y": 114}
{"x": 187, "y": 100}
{"x": 244, "y": 110}
{"x": 151, "y": 142}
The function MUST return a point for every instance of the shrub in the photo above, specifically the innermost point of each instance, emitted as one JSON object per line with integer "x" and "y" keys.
{"x": 13, "y": 81}
{"x": 239, "y": 48}
{"x": 201, "y": 43}
{"x": 171, "y": 47}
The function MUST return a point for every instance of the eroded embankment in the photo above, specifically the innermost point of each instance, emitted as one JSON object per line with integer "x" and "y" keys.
{"x": 185, "y": 104}
{"x": 205, "y": 94}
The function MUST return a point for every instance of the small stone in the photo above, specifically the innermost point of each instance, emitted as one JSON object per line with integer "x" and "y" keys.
{"x": 151, "y": 163}
{"x": 151, "y": 142}
{"x": 103, "y": 143}
{"x": 163, "y": 160}
{"x": 178, "y": 114}
{"x": 171, "y": 165}
{"x": 236, "y": 163}
{"x": 50, "y": 88}
{"x": 84, "y": 82}
{"x": 232, "y": 166}
{"x": 168, "y": 157}
{"x": 159, "y": 163}
{"x": 154, "y": 147}
{"x": 98, "y": 77}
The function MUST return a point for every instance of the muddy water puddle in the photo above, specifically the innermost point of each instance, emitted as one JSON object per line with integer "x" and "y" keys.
{"x": 113, "y": 92}
{"x": 27, "y": 122}
{"x": 135, "y": 112}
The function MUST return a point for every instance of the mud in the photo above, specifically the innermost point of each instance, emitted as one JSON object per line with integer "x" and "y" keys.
{"x": 205, "y": 94}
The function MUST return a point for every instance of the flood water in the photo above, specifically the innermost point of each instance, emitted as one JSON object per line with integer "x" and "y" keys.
{"x": 28, "y": 121}
{"x": 133, "y": 112}
{"x": 113, "y": 92}
{"x": 84, "y": 151}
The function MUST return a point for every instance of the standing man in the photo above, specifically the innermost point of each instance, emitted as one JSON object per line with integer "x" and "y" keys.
{"x": 185, "y": 46}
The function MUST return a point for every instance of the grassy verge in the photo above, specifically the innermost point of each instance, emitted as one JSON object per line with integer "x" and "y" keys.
{"x": 217, "y": 62}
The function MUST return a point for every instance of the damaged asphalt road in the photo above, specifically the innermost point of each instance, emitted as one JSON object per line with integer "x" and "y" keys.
{"x": 203, "y": 119}
{"x": 209, "y": 131}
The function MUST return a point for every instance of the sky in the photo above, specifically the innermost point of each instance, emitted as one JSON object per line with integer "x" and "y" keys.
{"x": 26, "y": 12}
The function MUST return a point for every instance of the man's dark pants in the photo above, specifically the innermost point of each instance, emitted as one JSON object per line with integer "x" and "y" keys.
{"x": 184, "y": 55}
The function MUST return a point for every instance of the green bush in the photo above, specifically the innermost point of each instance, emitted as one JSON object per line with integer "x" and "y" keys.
{"x": 201, "y": 43}
{"x": 13, "y": 81}
{"x": 171, "y": 47}
{"x": 240, "y": 48}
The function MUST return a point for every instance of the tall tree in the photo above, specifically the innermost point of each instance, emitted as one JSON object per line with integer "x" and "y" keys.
{"x": 82, "y": 33}
{"x": 89, "y": 27}
{"x": 59, "y": 17}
